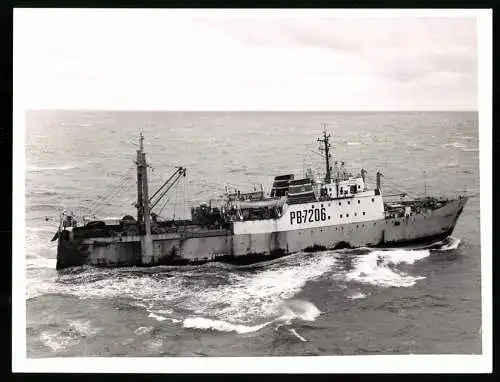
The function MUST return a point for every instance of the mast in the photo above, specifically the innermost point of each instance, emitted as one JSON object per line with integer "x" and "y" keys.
{"x": 143, "y": 212}
{"x": 139, "y": 163}
{"x": 379, "y": 174}
{"x": 326, "y": 149}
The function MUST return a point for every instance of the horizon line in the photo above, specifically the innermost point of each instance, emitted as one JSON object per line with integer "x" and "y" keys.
{"x": 252, "y": 111}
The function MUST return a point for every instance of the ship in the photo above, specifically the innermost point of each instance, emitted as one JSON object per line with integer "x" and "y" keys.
{"x": 307, "y": 214}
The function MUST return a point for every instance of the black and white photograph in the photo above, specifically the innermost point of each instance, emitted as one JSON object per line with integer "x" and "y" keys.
{"x": 254, "y": 190}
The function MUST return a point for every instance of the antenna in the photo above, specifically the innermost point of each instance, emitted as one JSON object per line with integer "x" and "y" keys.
{"x": 425, "y": 185}
{"x": 141, "y": 141}
{"x": 326, "y": 148}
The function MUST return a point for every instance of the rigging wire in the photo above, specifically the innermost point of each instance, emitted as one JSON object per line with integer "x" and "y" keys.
{"x": 176, "y": 200}
{"x": 163, "y": 206}
{"x": 174, "y": 183}
{"x": 165, "y": 203}
{"x": 167, "y": 200}
{"x": 103, "y": 198}
{"x": 115, "y": 190}
{"x": 177, "y": 171}
{"x": 392, "y": 188}
{"x": 185, "y": 183}
{"x": 115, "y": 196}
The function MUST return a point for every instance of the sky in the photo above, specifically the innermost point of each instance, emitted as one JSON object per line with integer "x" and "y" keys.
{"x": 244, "y": 60}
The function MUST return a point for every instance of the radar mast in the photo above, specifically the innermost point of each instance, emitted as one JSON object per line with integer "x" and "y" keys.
{"x": 326, "y": 148}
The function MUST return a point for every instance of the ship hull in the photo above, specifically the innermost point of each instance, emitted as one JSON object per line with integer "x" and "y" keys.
{"x": 224, "y": 246}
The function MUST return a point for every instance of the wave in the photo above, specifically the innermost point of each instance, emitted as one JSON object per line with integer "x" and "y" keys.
{"x": 356, "y": 296}
{"x": 238, "y": 297}
{"x": 260, "y": 295}
{"x": 41, "y": 229}
{"x": 377, "y": 268}
{"x": 470, "y": 150}
{"x": 143, "y": 330}
{"x": 84, "y": 328}
{"x": 157, "y": 317}
{"x": 298, "y": 309}
{"x": 294, "y": 332}
{"x": 51, "y": 168}
{"x": 57, "y": 340}
{"x": 220, "y": 325}
{"x": 290, "y": 310}
{"x": 457, "y": 145}
{"x": 450, "y": 243}
{"x": 60, "y": 339}
{"x": 231, "y": 298}
{"x": 37, "y": 261}
{"x": 353, "y": 143}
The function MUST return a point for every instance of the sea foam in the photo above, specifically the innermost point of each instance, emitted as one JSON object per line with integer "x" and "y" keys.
{"x": 377, "y": 268}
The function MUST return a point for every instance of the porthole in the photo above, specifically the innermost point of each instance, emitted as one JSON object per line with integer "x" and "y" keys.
{"x": 359, "y": 201}
{"x": 346, "y": 215}
{"x": 340, "y": 203}
{"x": 373, "y": 199}
{"x": 348, "y": 202}
{"x": 363, "y": 213}
{"x": 355, "y": 214}
{"x": 341, "y": 216}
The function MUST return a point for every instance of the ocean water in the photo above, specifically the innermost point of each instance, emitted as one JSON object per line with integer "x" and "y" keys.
{"x": 346, "y": 302}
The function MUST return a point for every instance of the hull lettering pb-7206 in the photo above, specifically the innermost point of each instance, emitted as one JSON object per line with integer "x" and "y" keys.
{"x": 308, "y": 215}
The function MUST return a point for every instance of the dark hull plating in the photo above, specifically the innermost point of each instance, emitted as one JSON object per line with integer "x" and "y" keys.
{"x": 222, "y": 246}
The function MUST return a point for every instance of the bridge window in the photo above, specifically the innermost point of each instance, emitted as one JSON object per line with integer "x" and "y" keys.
{"x": 341, "y": 190}
{"x": 359, "y": 186}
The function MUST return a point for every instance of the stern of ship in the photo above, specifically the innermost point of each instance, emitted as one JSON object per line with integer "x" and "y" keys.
{"x": 68, "y": 254}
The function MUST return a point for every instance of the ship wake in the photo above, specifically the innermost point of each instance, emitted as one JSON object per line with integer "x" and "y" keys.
{"x": 244, "y": 299}
{"x": 380, "y": 268}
